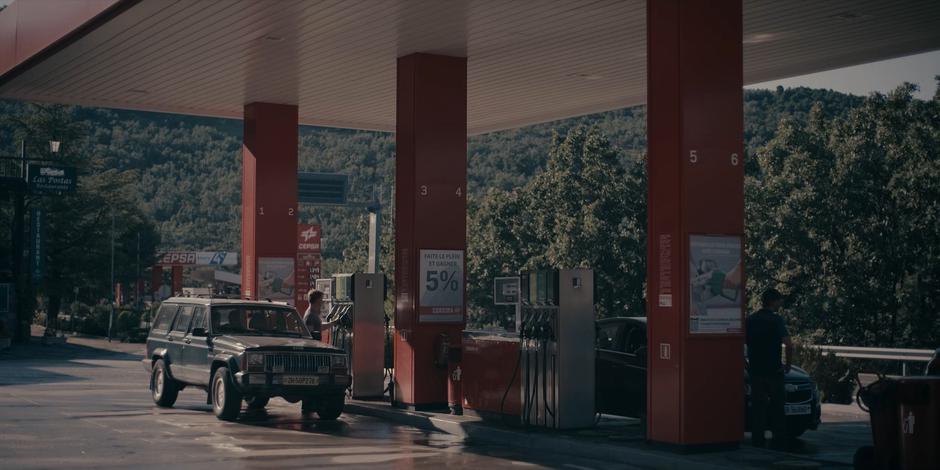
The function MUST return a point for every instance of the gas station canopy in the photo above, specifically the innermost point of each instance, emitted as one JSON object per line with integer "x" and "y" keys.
{"x": 528, "y": 62}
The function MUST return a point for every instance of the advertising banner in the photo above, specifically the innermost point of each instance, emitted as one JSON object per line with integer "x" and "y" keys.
{"x": 440, "y": 295}
{"x": 716, "y": 303}
{"x": 49, "y": 179}
{"x": 276, "y": 279}
{"x": 37, "y": 247}
{"x": 198, "y": 258}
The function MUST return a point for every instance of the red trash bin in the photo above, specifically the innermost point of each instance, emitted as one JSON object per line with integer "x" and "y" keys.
{"x": 919, "y": 422}
{"x": 880, "y": 400}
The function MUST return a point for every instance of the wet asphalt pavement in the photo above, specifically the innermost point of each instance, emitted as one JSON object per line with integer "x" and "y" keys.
{"x": 79, "y": 406}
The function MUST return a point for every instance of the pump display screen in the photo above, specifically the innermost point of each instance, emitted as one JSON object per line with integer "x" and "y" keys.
{"x": 343, "y": 288}
{"x": 541, "y": 287}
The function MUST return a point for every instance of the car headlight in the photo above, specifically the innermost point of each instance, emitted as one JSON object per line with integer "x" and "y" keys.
{"x": 255, "y": 361}
{"x": 339, "y": 361}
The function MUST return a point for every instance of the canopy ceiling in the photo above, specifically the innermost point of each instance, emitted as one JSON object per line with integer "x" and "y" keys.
{"x": 528, "y": 61}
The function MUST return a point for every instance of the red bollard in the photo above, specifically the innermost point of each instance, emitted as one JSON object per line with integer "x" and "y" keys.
{"x": 454, "y": 381}
{"x": 880, "y": 401}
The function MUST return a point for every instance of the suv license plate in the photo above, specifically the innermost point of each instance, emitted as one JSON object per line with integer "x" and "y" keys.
{"x": 296, "y": 380}
{"x": 797, "y": 410}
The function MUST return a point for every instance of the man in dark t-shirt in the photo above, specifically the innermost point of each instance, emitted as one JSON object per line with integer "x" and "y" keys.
{"x": 312, "y": 315}
{"x": 766, "y": 332}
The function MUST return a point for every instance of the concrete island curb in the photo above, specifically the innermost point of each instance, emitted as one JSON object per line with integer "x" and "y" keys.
{"x": 528, "y": 441}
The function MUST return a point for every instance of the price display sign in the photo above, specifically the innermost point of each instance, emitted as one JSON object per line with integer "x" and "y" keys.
{"x": 441, "y": 284}
{"x": 506, "y": 290}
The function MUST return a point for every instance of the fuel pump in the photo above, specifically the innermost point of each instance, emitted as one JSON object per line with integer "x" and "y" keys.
{"x": 557, "y": 348}
{"x": 358, "y": 310}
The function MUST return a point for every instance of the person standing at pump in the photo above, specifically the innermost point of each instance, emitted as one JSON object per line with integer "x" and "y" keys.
{"x": 312, "y": 319}
{"x": 766, "y": 332}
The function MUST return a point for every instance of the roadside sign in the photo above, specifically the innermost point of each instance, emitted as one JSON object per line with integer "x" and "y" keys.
{"x": 327, "y": 189}
{"x": 308, "y": 238}
{"x": 50, "y": 179}
{"x": 308, "y": 262}
{"x": 506, "y": 290}
{"x": 198, "y": 258}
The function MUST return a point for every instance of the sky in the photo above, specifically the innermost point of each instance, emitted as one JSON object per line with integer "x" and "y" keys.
{"x": 882, "y": 76}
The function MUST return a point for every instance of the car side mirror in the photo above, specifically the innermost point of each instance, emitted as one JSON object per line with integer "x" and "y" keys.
{"x": 200, "y": 332}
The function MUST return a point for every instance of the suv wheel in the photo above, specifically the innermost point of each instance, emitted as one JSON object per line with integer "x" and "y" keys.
{"x": 331, "y": 407}
{"x": 256, "y": 402}
{"x": 162, "y": 387}
{"x": 226, "y": 400}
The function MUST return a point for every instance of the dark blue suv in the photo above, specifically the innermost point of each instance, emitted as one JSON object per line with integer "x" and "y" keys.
{"x": 240, "y": 350}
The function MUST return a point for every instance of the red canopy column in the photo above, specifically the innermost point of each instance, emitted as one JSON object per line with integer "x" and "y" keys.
{"x": 269, "y": 201}
{"x": 156, "y": 280}
{"x": 430, "y": 223}
{"x": 177, "y": 279}
{"x": 696, "y": 222}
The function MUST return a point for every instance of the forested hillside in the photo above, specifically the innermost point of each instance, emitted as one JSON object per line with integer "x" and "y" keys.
{"x": 842, "y": 204}
{"x": 189, "y": 166}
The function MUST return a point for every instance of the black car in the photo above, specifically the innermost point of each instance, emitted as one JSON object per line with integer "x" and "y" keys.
{"x": 242, "y": 350}
{"x": 621, "y": 377}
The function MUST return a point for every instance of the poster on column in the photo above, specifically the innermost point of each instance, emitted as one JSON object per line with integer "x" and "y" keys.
{"x": 716, "y": 303}
{"x": 441, "y": 286}
{"x": 276, "y": 279}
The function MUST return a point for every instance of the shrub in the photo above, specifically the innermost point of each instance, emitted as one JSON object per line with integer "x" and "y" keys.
{"x": 834, "y": 375}
{"x": 96, "y": 322}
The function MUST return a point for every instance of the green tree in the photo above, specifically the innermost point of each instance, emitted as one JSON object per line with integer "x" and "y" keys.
{"x": 584, "y": 210}
{"x": 845, "y": 215}
{"x": 79, "y": 224}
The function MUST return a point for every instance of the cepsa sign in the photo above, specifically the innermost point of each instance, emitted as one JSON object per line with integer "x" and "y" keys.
{"x": 199, "y": 258}
{"x": 308, "y": 238}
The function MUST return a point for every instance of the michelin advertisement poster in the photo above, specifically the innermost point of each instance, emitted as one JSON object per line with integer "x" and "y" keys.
{"x": 276, "y": 279}
{"x": 715, "y": 288}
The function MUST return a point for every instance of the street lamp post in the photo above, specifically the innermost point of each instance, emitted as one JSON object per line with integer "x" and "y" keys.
{"x": 52, "y": 318}
{"x": 111, "y": 316}
{"x": 22, "y": 289}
